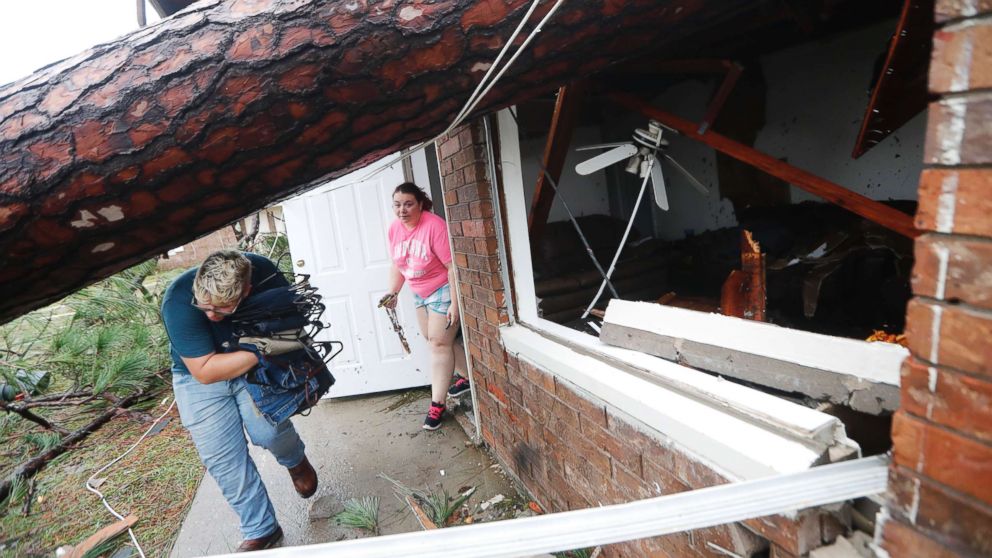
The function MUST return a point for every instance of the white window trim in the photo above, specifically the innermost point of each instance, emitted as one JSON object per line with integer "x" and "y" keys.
{"x": 586, "y": 362}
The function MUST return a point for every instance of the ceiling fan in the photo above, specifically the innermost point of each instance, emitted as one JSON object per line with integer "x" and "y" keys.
{"x": 643, "y": 155}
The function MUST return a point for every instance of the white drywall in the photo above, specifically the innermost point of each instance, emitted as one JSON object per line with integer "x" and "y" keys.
{"x": 585, "y": 195}
{"x": 691, "y": 212}
{"x": 817, "y": 96}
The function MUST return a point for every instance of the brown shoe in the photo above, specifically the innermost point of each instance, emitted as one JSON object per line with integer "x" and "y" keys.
{"x": 268, "y": 541}
{"x": 304, "y": 478}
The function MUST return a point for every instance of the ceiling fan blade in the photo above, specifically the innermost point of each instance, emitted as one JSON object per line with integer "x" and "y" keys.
{"x": 601, "y": 145}
{"x": 606, "y": 159}
{"x": 658, "y": 183}
{"x": 692, "y": 179}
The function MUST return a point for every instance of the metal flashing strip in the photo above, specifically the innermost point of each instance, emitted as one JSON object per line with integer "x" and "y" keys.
{"x": 652, "y": 517}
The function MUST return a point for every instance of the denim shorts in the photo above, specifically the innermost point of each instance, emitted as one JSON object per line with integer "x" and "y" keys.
{"x": 438, "y": 301}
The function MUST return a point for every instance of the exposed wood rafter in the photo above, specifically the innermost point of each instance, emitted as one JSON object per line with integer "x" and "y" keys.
{"x": 555, "y": 150}
{"x": 868, "y": 208}
{"x": 900, "y": 92}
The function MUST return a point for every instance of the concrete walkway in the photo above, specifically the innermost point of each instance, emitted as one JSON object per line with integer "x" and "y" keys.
{"x": 350, "y": 442}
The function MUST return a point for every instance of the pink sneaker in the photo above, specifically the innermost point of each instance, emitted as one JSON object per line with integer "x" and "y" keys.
{"x": 434, "y": 415}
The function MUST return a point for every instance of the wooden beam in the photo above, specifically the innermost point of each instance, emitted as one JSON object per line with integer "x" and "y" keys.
{"x": 555, "y": 150}
{"x": 103, "y": 535}
{"x": 743, "y": 292}
{"x": 900, "y": 92}
{"x": 713, "y": 110}
{"x": 753, "y": 265}
{"x": 868, "y": 208}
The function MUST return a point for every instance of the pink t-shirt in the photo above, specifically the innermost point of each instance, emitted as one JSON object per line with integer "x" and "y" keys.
{"x": 421, "y": 254}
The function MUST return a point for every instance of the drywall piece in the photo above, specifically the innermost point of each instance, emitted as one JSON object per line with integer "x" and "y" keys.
{"x": 859, "y": 374}
{"x": 739, "y": 447}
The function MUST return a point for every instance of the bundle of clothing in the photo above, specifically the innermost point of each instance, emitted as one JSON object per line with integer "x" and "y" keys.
{"x": 280, "y": 325}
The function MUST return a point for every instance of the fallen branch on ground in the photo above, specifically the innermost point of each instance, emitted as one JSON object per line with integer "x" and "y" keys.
{"x": 35, "y": 464}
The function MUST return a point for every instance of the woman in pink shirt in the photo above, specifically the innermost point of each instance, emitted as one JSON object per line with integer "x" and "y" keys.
{"x": 418, "y": 241}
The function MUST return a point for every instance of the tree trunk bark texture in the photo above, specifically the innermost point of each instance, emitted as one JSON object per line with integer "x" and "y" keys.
{"x": 172, "y": 131}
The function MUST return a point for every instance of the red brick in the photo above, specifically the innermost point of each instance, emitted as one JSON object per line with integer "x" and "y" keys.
{"x": 958, "y": 132}
{"x": 630, "y": 483}
{"x": 899, "y": 539}
{"x": 474, "y": 308}
{"x": 947, "y": 515}
{"x": 473, "y": 192}
{"x": 461, "y": 260}
{"x": 538, "y": 376}
{"x": 953, "y": 268}
{"x": 953, "y": 9}
{"x": 492, "y": 315}
{"x": 485, "y": 246}
{"x": 446, "y": 170}
{"x": 458, "y": 213}
{"x": 475, "y": 174}
{"x": 464, "y": 245}
{"x": 961, "y": 463}
{"x": 448, "y": 147}
{"x": 588, "y": 462}
{"x": 620, "y": 450}
{"x": 963, "y": 335}
{"x": 498, "y": 393}
{"x": 480, "y": 263}
{"x": 474, "y": 228}
{"x": 962, "y": 58}
{"x": 450, "y": 198}
{"x": 593, "y": 411}
{"x": 955, "y": 201}
{"x": 958, "y": 401}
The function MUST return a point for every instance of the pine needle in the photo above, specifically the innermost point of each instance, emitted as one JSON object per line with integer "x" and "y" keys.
{"x": 361, "y": 513}
{"x": 437, "y": 503}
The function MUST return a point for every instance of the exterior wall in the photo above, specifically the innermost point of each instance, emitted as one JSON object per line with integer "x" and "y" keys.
{"x": 194, "y": 252}
{"x": 940, "y": 497}
{"x": 570, "y": 449}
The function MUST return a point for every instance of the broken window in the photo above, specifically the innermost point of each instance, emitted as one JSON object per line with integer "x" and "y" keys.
{"x": 783, "y": 228}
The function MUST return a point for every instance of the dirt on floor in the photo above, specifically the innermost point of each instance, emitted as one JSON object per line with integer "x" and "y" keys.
{"x": 355, "y": 444}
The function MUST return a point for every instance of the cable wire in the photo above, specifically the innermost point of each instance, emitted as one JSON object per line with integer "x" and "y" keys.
{"x": 476, "y": 97}
{"x": 103, "y": 499}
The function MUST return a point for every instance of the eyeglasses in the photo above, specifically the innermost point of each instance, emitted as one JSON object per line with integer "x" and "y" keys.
{"x": 215, "y": 309}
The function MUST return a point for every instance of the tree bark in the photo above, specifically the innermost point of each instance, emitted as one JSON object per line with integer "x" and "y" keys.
{"x": 175, "y": 130}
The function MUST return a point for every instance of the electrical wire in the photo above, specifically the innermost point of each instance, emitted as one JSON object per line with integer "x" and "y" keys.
{"x": 103, "y": 499}
{"x": 476, "y": 97}
{"x": 626, "y": 233}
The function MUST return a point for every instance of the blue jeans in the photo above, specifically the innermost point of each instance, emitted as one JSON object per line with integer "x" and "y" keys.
{"x": 217, "y": 416}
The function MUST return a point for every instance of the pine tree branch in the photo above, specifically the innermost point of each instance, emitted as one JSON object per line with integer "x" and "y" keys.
{"x": 29, "y": 416}
{"x": 29, "y": 468}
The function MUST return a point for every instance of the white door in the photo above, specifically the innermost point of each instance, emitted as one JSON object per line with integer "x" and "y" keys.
{"x": 337, "y": 235}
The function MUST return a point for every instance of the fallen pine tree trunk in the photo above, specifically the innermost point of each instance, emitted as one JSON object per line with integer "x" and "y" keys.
{"x": 142, "y": 144}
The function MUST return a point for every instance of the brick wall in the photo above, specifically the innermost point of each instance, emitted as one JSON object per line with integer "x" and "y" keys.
{"x": 567, "y": 447}
{"x": 940, "y": 497}
{"x": 194, "y": 252}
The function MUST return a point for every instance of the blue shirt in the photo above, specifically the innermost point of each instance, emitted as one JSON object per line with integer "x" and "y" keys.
{"x": 191, "y": 334}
